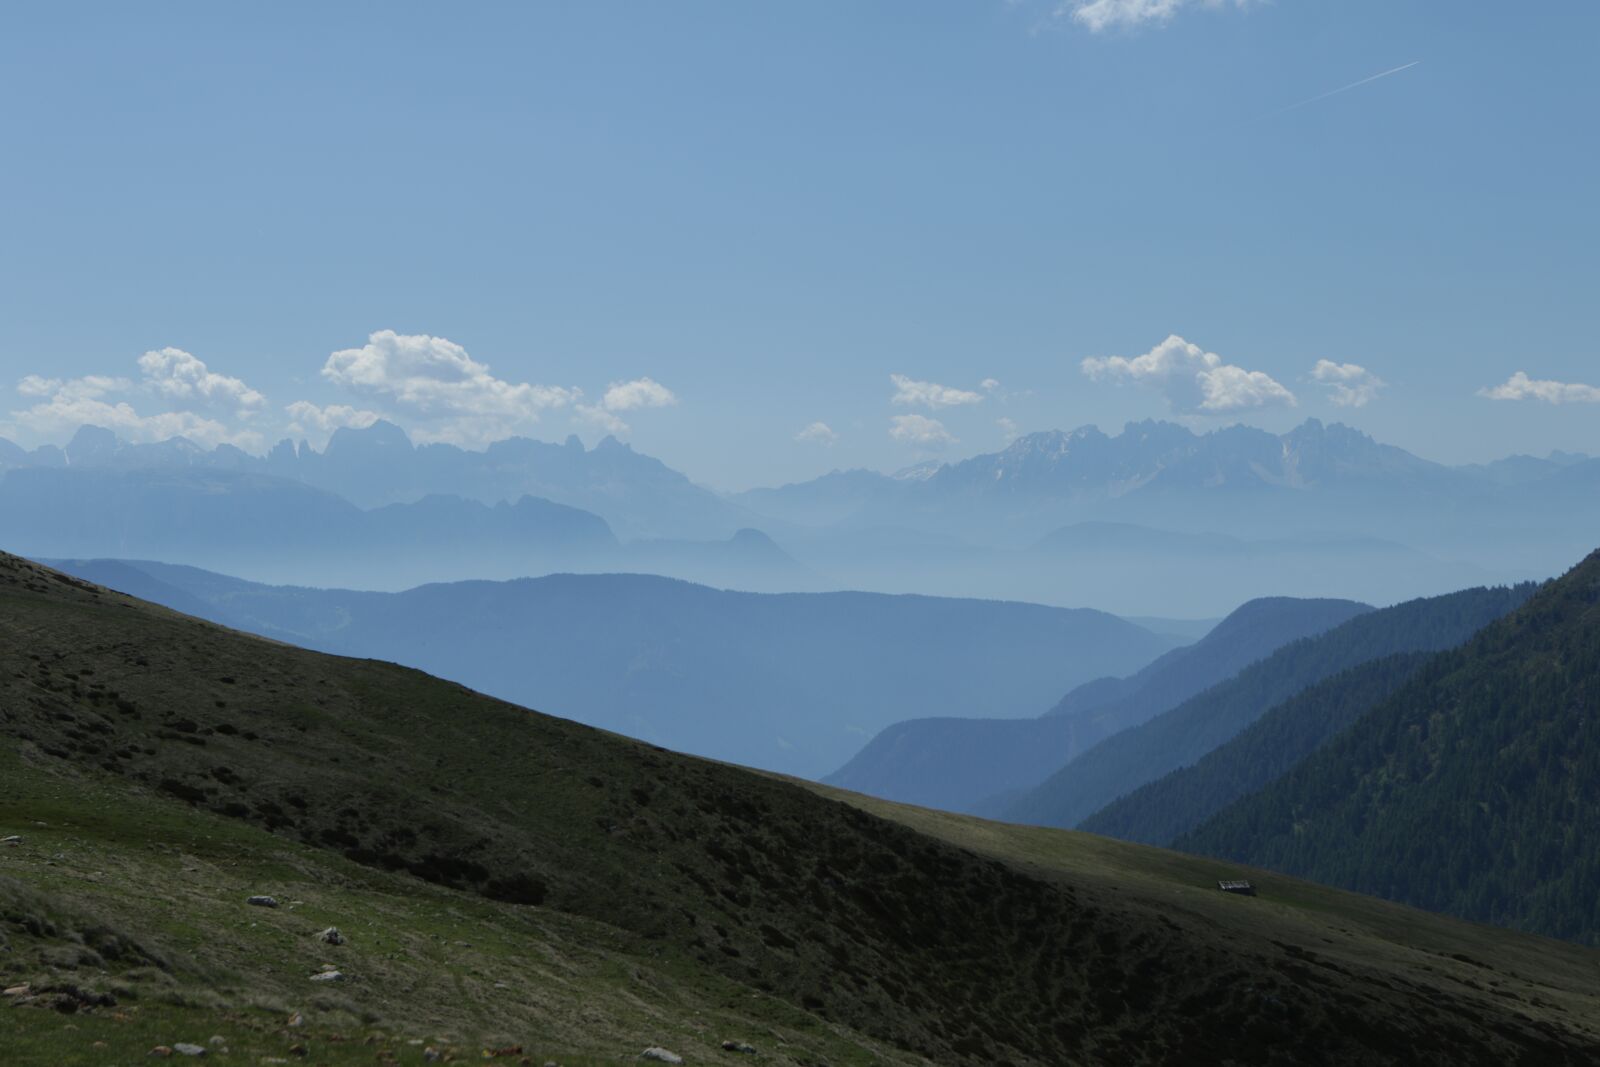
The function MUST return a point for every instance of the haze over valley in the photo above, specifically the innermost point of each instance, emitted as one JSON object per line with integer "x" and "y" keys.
{"x": 1022, "y": 533}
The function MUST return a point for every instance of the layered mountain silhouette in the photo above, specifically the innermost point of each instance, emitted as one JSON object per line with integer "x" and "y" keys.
{"x": 1474, "y": 789}
{"x": 1159, "y": 519}
{"x": 1276, "y": 743}
{"x": 1154, "y": 520}
{"x": 963, "y": 764}
{"x": 534, "y": 876}
{"x": 1201, "y": 520}
{"x": 1183, "y": 735}
{"x": 793, "y": 683}
{"x": 379, "y": 464}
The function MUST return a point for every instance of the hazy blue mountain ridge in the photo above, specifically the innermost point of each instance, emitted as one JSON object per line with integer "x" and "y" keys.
{"x": 793, "y": 682}
{"x": 1177, "y": 738}
{"x": 1153, "y": 520}
{"x": 959, "y": 763}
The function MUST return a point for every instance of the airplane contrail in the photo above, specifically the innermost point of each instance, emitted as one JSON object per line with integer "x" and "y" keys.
{"x": 1343, "y": 89}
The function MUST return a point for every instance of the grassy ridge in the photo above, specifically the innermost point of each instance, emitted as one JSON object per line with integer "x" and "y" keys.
{"x": 679, "y": 886}
{"x": 122, "y": 891}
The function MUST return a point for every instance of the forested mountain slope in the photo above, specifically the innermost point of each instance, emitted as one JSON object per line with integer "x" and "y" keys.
{"x": 1475, "y": 790}
{"x": 1126, "y": 761}
{"x": 577, "y": 883}
{"x": 1269, "y": 748}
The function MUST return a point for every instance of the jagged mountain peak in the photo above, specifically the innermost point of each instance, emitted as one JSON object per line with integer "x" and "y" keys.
{"x": 380, "y": 438}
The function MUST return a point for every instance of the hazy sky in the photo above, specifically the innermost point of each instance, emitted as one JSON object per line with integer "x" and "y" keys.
{"x": 772, "y": 239}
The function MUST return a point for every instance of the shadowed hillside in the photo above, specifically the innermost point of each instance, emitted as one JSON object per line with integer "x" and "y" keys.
{"x": 1473, "y": 790}
{"x": 940, "y": 938}
{"x": 1181, "y": 736}
{"x": 790, "y": 683}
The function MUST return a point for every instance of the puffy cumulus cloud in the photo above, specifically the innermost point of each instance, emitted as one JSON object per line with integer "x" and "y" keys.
{"x": 1521, "y": 387}
{"x": 989, "y": 385}
{"x": 819, "y": 433}
{"x": 625, "y": 396}
{"x": 919, "y": 430}
{"x": 639, "y": 393}
{"x": 909, "y": 392}
{"x": 311, "y": 421}
{"x": 1349, "y": 385}
{"x": 64, "y": 405}
{"x": 1008, "y": 428}
{"x": 599, "y": 416}
{"x": 1100, "y": 15}
{"x": 1194, "y": 381}
{"x": 174, "y": 373}
{"x": 434, "y": 379}
{"x": 91, "y": 386}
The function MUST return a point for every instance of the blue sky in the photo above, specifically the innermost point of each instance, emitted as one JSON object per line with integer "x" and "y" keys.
{"x": 719, "y": 224}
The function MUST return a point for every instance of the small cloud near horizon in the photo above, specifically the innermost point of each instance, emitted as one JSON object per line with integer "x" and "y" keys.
{"x": 908, "y": 392}
{"x": 449, "y": 395}
{"x": 310, "y": 422}
{"x": 817, "y": 433}
{"x": 428, "y": 385}
{"x": 1349, "y": 385}
{"x": 920, "y": 430}
{"x": 63, "y": 405}
{"x": 626, "y": 396}
{"x": 1192, "y": 380}
{"x": 1520, "y": 387}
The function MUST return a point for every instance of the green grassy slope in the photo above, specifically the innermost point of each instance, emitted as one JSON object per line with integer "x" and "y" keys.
{"x": 117, "y": 890}
{"x": 509, "y": 877}
{"x": 1474, "y": 790}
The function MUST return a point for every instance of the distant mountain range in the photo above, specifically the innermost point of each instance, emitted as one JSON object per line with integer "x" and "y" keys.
{"x": 792, "y": 683}
{"x": 958, "y": 764}
{"x": 524, "y": 887}
{"x": 379, "y": 465}
{"x": 1156, "y": 519}
{"x": 1085, "y": 466}
{"x": 1200, "y": 515}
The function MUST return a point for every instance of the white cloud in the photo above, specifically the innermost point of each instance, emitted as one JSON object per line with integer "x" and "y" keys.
{"x": 919, "y": 430}
{"x": 65, "y": 405}
{"x": 434, "y": 379}
{"x": 989, "y": 385}
{"x": 819, "y": 433}
{"x": 174, "y": 373}
{"x": 602, "y": 418}
{"x": 90, "y": 386}
{"x": 1350, "y": 385}
{"x": 625, "y": 396}
{"x": 911, "y": 393}
{"x": 1008, "y": 428}
{"x": 639, "y": 393}
{"x": 1100, "y": 15}
{"x": 1520, "y": 387}
{"x": 1193, "y": 380}
{"x": 62, "y": 405}
{"x": 307, "y": 420}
